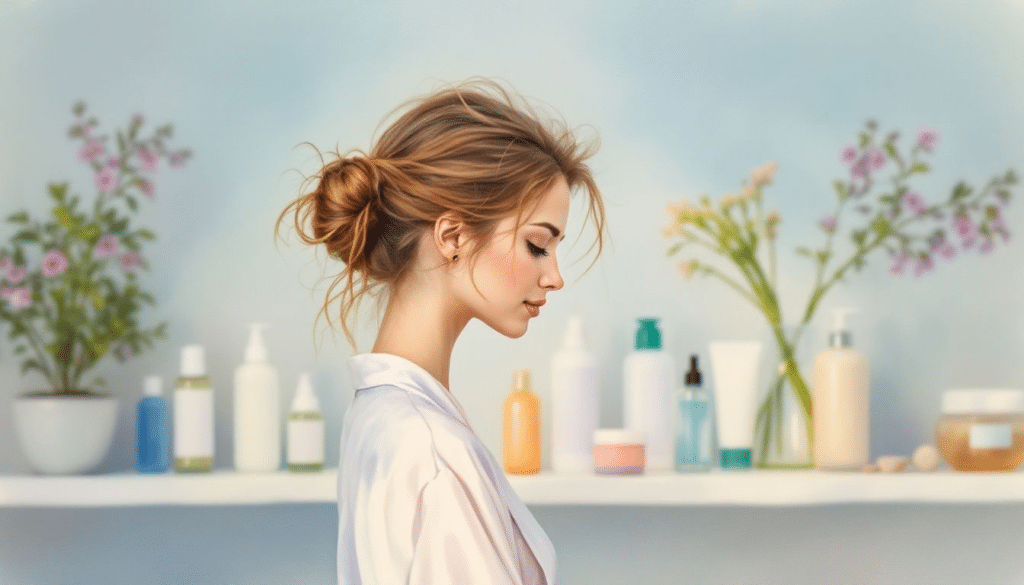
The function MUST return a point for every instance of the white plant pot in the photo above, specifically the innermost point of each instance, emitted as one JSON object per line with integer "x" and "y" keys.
{"x": 65, "y": 435}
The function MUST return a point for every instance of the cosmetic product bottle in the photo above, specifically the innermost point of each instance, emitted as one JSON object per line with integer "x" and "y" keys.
{"x": 648, "y": 393}
{"x": 257, "y": 435}
{"x": 619, "y": 452}
{"x": 735, "y": 365}
{"x": 574, "y": 402}
{"x": 693, "y": 423}
{"x": 305, "y": 429}
{"x": 154, "y": 432}
{"x": 840, "y": 393}
{"x": 193, "y": 414}
{"x": 522, "y": 428}
{"x": 982, "y": 429}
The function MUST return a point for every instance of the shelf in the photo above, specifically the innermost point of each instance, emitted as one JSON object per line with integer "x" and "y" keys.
{"x": 715, "y": 488}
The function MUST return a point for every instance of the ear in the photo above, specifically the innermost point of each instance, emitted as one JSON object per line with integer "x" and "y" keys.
{"x": 449, "y": 235}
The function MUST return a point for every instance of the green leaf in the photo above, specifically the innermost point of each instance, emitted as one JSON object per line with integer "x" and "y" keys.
{"x": 891, "y": 149}
{"x": 58, "y": 191}
{"x": 132, "y": 204}
{"x": 823, "y": 256}
{"x": 63, "y": 215}
{"x": 24, "y": 237}
{"x": 881, "y": 227}
{"x": 840, "y": 189}
{"x": 919, "y": 167}
{"x": 32, "y": 364}
{"x": 858, "y": 237}
{"x": 804, "y": 251}
{"x": 674, "y": 249}
{"x": 959, "y": 192}
{"x": 1010, "y": 178}
{"x": 146, "y": 235}
{"x": 19, "y": 217}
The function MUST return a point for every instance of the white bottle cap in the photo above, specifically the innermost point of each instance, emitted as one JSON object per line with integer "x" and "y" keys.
{"x": 625, "y": 436}
{"x": 983, "y": 401}
{"x": 575, "y": 334}
{"x": 153, "y": 386}
{"x": 193, "y": 363}
{"x": 305, "y": 399}
{"x": 256, "y": 351}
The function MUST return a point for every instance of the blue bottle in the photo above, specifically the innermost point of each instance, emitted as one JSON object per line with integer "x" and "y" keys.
{"x": 154, "y": 444}
{"x": 693, "y": 424}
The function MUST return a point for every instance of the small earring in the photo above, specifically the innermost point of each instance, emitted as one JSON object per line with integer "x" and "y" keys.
{"x": 455, "y": 257}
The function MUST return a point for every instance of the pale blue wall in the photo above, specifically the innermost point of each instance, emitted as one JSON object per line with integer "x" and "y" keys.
{"x": 686, "y": 97}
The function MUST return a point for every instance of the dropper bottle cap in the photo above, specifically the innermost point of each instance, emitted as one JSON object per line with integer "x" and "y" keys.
{"x": 305, "y": 399}
{"x": 693, "y": 377}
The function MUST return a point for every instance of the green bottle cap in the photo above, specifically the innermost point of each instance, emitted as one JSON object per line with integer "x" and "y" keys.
{"x": 735, "y": 458}
{"x": 647, "y": 334}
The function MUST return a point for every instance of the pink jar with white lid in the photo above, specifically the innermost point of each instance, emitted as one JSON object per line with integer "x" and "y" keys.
{"x": 619, "y": 451}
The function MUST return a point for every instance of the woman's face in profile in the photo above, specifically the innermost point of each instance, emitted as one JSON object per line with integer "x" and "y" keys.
{"x": 515, "y": 270}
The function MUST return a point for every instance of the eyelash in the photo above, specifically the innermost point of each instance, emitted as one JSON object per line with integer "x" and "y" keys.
{"x": 536, "y": 250}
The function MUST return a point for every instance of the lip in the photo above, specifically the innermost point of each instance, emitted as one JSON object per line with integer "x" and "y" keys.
{"x": 533, "y": 309}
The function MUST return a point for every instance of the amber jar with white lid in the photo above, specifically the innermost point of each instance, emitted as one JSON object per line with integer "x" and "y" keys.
{"x": 982, "y": 429}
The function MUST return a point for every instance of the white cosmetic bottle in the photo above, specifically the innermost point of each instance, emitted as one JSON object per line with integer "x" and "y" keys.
{"x": 193, "y": 414}
{"x": 257, "y": 409}
{"x": 649, "y": 375}
{"x": 841, "y": 397}
{"x": 574, "y": 402}
{"x": 305, "y": 430}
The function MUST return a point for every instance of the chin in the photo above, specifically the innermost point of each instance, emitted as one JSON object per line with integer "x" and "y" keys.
{"x": 509, "y": 329}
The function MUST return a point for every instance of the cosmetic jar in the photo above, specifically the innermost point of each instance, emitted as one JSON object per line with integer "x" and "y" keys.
{"x": 982, "y": 429}
{"x": 619, "y": 451}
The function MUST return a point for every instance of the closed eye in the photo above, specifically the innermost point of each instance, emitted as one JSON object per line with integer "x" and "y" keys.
{"x": 536, "y": 250}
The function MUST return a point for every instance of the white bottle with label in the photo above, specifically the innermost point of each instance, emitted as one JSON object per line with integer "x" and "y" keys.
{"x": 840, "y": 394}
{"x": 574, "y": 402}
{"x": 649, "y": 375}
{"x": 305, "y": 430}
{"x": 193, "y": 414}
{"x": 257, "y": 409}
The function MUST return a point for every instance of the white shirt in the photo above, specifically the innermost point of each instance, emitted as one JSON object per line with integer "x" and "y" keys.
{"x": 420, "y": 498}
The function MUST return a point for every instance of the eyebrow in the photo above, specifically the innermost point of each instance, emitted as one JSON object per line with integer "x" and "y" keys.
{"x": 554, "y": 231}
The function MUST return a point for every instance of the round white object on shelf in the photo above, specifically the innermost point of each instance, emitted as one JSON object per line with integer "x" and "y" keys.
{"x": 926, "y": 458}
{"x": 892, "y": 463}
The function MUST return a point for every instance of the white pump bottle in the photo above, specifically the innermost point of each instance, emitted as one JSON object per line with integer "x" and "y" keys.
{"x": 257, "y": 409}
{"x": 840, "y": 394}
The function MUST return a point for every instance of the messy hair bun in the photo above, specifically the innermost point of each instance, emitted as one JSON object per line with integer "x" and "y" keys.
{"x": 471, "y": 149}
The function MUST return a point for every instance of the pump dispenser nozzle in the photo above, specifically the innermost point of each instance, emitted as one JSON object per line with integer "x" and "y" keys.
{"x": 575, "y": 335}
{"x": 256, "y": 351}
{"x": 840, "y": 335}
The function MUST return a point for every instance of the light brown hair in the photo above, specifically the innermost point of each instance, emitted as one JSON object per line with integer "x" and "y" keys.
{"x": 473, "y": 149}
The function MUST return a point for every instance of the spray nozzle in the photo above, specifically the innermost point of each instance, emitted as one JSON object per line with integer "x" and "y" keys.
{"x": 256, "y": 351}
{"x": 840, "y": 336}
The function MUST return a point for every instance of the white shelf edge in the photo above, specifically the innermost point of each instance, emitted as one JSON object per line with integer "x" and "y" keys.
{"x": 714, "y": 488}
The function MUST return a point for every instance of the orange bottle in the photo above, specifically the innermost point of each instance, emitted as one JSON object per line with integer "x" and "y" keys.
{"x": 522, "y": 428}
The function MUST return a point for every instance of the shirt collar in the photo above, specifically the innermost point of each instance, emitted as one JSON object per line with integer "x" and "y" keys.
{"x": 378, "y": 369}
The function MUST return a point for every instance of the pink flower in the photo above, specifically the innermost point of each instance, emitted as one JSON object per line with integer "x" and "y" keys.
{"x": 965, "y": 228}
{"x": 149, "y": 159}
{"x": 106, "y": 246}
{"x": 924, "y": 266}
{"x": 106, "y": 179}
{"x": 828, "y": 223}
{"x": 176, "y": 160}
{"x": 146, "y": 186}
{"x": 928, "y": 138}
{"x": 986, "y": 246}
{"x": 54, "y": 263}
{"x": 947, "y": 251}
{"x": 16, "y": 273}
{"x": 898, "y": 264}
{"x": 849, "y": 155}
{"x": 93, "y": 148}
{"x": 876, "y": 158}
{"x": 913, "y": 203}
{"x": 21, "y": 297}
{"x": 130, "y": 261}
{"x": 860, "y": 169}
{"x": 6, "y": 292}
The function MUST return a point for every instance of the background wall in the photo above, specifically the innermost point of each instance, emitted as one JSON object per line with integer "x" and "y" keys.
{"x": 687, "y": 98}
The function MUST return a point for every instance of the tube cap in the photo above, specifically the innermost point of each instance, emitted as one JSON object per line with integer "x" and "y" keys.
{"x": 735, "y": 458}
{"x": 153, "y": 386}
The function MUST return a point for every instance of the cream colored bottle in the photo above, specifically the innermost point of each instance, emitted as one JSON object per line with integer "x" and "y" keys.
{"x": 522, "y": 428}
{"x": 840, "y": 390}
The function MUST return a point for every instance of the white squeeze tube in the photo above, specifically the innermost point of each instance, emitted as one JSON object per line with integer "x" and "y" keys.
{"x": 735, "y": 366}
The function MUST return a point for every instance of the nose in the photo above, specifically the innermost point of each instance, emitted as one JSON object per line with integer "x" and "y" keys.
{"x": 551, "y": 279}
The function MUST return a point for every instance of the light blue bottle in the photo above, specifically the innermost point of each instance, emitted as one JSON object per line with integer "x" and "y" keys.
{"x": 693, "y": 424}
{"x": 154, "y": 444}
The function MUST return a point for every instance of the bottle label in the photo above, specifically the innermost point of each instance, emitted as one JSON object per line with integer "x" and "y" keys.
{"x": 193, "y": 423}
{"x": 305, "y": 441}
{"x": 991, "y": 436}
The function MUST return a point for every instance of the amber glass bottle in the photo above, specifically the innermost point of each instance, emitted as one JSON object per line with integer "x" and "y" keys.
{"x": 522, "y": 428}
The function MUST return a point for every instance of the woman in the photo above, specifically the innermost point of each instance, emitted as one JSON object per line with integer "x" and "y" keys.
{"x": 455, "y": 213}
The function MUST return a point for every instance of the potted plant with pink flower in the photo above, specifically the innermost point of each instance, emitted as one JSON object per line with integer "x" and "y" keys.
{"x": 879, "y": 210}
{"x": 70, "y": 294}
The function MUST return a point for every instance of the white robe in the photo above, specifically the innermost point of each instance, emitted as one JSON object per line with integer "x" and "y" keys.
{"x": 420, "y": 498}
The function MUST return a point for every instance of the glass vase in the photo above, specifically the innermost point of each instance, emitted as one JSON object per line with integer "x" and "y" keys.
{"x": 784, "y": 431}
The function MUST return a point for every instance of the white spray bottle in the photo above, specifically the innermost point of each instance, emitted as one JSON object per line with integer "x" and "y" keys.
{"x": 257, "y": 409}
